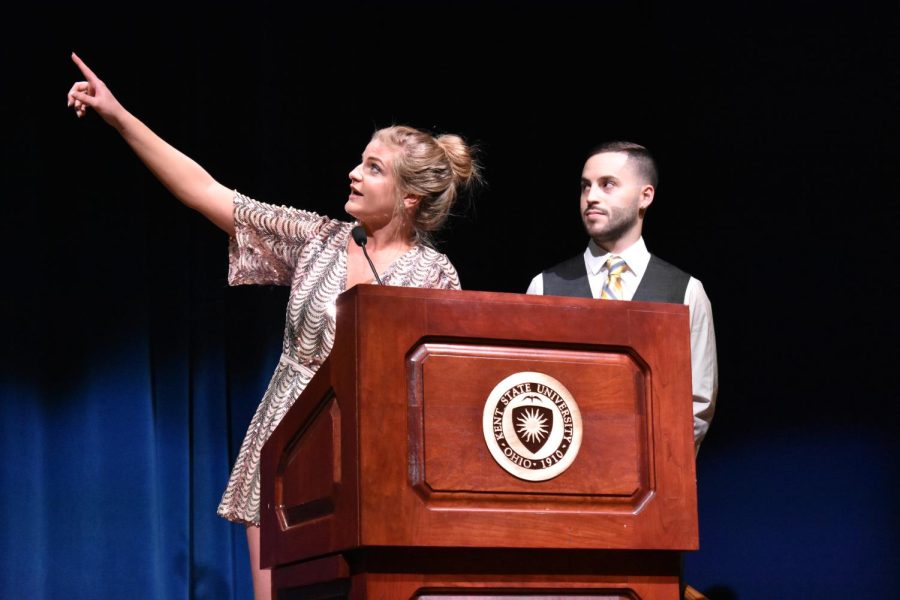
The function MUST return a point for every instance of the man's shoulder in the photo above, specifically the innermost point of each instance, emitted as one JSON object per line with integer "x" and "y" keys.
{"x": 567, "y": 278}
{"x": 664, "y": 265}
{"x": 662, "y": 282}
{"x": 569, "y": 268}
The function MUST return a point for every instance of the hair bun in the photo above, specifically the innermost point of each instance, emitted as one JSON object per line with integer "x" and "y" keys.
{"x": 459, "y": 154}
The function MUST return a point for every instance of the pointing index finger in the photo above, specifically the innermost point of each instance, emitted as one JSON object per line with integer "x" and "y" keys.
{"x": 88, "y": 74}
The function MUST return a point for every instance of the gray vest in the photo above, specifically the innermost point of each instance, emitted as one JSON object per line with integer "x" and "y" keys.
{"x": 661, "y": 282}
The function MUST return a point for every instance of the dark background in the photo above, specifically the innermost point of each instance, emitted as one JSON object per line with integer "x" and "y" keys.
{"x": 774, "y": 125}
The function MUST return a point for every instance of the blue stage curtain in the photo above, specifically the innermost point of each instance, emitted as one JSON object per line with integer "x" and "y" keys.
{"x": 125, "y": 395}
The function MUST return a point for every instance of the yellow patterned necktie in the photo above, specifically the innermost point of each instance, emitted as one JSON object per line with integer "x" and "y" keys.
{"x": 612, "y": 289}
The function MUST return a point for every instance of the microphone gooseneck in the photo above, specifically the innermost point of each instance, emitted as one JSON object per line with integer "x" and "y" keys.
{"x": 360, "y": 237}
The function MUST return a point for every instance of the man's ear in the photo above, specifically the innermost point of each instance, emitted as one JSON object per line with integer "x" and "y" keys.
{"x": 646, "y": 198}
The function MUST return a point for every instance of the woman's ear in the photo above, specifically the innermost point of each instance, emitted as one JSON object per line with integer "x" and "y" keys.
{"x": 410, "y": 201}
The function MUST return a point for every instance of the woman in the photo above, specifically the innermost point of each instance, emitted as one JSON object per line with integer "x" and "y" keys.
{"x": 401, "y": 192}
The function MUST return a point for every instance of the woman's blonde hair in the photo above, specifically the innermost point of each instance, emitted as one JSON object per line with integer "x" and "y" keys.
{"x": 433, "y": 168}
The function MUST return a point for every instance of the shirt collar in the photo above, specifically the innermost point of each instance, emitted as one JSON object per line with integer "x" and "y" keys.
{"x": 636, "y": 257}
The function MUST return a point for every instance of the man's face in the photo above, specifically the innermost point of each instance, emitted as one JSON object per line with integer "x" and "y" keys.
{"x": 613, "y": 196}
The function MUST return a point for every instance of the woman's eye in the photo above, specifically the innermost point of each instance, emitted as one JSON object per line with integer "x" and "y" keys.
{"x": 374, "y": 168}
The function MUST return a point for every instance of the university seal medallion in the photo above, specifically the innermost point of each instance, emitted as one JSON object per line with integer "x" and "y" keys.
{"x": 532, "y": 426}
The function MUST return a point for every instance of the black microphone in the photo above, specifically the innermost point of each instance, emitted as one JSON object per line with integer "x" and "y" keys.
{"x": 360, "y": 237}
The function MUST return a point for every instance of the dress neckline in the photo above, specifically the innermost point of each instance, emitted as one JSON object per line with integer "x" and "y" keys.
{"x": 400, "y": 258}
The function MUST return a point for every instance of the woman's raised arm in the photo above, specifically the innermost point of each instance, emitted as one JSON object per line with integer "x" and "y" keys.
{"x": 186, "y": 179}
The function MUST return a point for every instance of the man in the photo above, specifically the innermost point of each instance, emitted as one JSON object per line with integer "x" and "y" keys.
{"x": 618, "y": 183}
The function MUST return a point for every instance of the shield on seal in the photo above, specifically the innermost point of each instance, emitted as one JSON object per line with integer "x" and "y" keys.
{"x": 532, "y": 424}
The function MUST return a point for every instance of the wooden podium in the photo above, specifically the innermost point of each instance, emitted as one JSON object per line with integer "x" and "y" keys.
{"x": 393, "y": 475}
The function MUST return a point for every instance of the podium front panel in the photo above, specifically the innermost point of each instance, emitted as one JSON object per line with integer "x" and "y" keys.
{"x": 611, "y": 388}
{"x": 397, "y": 417}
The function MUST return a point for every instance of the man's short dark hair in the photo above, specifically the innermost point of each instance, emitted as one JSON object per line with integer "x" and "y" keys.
{"x": 644, "y": 161}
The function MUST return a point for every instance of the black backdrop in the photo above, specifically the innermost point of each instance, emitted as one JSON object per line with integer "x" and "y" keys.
{"x": 774, "y": 126}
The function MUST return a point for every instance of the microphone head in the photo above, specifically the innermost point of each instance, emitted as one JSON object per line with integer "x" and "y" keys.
{"x": 359, "y": 235}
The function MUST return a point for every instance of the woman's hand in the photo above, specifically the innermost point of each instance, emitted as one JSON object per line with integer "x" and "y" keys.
{"x": 94, "y": 94}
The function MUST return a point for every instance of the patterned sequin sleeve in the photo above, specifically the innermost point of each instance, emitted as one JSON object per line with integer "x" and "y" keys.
{"x": 442, "y": 274}
{"x": 268, "y": 241}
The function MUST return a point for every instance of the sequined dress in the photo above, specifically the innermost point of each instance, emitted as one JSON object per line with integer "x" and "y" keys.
{"x": 277, "y": 245}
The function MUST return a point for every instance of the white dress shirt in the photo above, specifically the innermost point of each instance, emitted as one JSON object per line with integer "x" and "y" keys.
{"x": 704, "y": 367}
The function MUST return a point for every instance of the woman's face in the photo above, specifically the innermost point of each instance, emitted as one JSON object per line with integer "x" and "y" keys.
{"x": 373, "y": 191}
